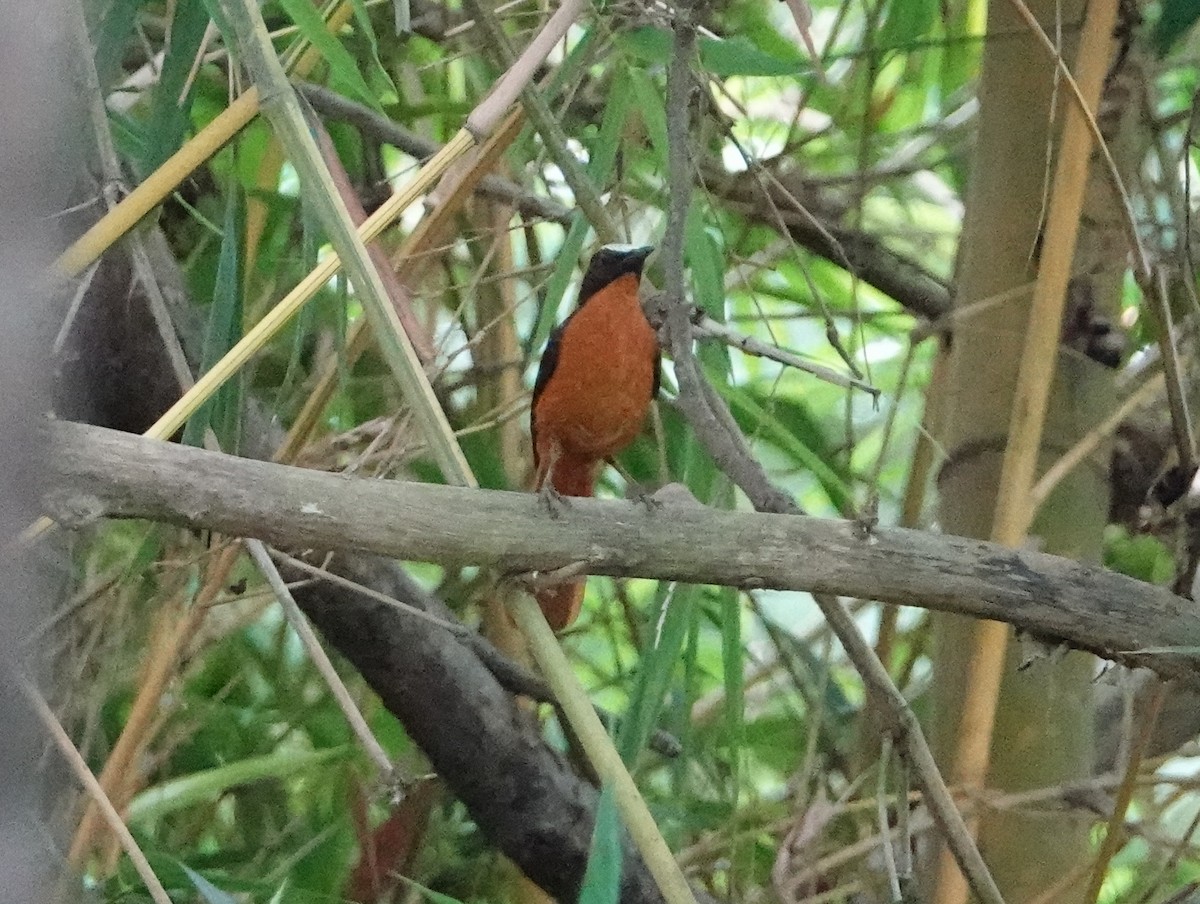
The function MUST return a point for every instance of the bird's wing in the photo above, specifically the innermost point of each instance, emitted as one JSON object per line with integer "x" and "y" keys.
{"x": 545, "y": 371}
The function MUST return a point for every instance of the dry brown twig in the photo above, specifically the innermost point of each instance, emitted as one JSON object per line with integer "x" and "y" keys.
{"x": 99, "y": 798}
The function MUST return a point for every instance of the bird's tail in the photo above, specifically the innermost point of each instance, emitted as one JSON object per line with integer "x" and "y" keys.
{"x": 562, "y": 602}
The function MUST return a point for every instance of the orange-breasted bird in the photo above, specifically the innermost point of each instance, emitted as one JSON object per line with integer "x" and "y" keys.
{"x": 595, "y": 383}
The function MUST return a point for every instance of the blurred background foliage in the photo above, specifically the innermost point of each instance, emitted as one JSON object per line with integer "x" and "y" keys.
{"x": 247, "y": 783}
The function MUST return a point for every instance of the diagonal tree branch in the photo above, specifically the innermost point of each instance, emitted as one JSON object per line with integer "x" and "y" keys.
{"x": 103, "y": 472}
{"x": 818, "y": 227}
{"x": 524, "y": 798}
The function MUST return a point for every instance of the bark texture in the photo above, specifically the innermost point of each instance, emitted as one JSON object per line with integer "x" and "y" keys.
{"x": 101, "y": 472}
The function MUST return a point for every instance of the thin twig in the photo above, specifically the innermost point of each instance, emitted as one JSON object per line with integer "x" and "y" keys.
{"x": 89, "y": 781}
{"x": 710, "y": 328}
{"x": 885, "y": 835}
{"x": 320, "y": 659}
{"x": 1091, "y": 441}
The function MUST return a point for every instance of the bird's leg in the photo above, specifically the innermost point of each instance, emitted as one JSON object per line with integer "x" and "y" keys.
{"x": 635, "y": 490}
{"x": 551, "y": 499}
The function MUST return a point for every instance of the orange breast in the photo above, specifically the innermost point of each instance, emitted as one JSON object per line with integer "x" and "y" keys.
{"x": 596, "y": 400}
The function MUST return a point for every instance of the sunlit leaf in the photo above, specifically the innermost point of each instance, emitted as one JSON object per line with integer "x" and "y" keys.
{"x": 341, "y": 64}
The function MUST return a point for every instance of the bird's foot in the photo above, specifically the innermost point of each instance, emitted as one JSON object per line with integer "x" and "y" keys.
{"x": 554, "y": 502}
{"x": 644, "y": 497}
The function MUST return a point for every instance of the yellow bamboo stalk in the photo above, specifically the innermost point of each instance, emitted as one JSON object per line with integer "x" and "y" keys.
{"x": 109, "y": 229}
{"x": 1038, "y": 362}
{"x": 410, "y": 263}
{"x": 176, "y": 416}
{"x": 106, "y": 231}
{"x": 600, "y": 750}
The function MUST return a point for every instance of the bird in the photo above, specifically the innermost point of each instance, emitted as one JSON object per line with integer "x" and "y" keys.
{"x": 599, "y": 373}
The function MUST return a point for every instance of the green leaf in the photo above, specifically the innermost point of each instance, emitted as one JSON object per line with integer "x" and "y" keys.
{"x": 756, "y": 417}
{"x": 706, "y": 258}
{"x": 222, "y": 412}
{"x": 650, "y": 103}
{"x": 675, "y": 610}
{"x": 650, "y": 44}
{"x": 216, "y": 12}
{"x": 208, "y": 785}
{"x": 209, "y": 892}
{"x": 601, "y": 163}
{"x": 602, "y": 879}
{"x": 722, "y": 57}
{"x": 381, "y": 81}
{"x": 111, "y": 35}
{"x": 170, "y": 106}
{"x": 739, "y": 56}
{"x": 1174, "y": 21}
{"x": 341, "y": 64}
{"x": 730, "y": 614}
{"x": 907, "y": 22}
{"x": 1143, "y": 557}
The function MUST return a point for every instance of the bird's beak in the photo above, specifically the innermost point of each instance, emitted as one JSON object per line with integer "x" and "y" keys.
{"x": 640, "y": 254}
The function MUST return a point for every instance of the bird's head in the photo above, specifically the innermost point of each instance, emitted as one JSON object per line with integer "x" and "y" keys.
{"x": 611, "y": 262}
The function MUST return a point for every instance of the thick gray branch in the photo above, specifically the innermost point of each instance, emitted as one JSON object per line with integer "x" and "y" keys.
{"x": 104, "y": 472}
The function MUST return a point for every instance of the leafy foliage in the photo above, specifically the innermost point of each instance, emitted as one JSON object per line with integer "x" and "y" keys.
{"x": 249, "y": 785}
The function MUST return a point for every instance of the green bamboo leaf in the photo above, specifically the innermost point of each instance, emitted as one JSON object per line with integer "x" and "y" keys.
{"x": 907, "y": 21}
{"x": 209, "y": 892}
{"x": 650, "y": 104}
{"x": 381, "y": 82}
{"x": 342, "y": 66}
{"x": 556, "y": 286}
{"x": 738, "y": 55}
{"x": 756, "y": 417}
{"x": 222, "y": 411}
{"x": 111, "y": 35}
{"x": 705, "y": 256}
{"x": 601, "y": 163}
{"x": 216, "y": 12}
{"x": 1174, "y": 21}
{"x": 602, "y": 878}
{"x": 207, "y": 785}
{"x": 683, "y": 767}
{"x": 722, "y": 57}
{"x": 170, "y": 107}
{"x": 674, "y": 611}
{"x": 730, "y": 617}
